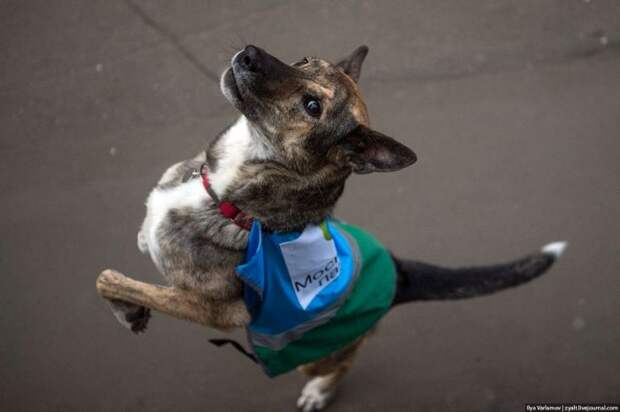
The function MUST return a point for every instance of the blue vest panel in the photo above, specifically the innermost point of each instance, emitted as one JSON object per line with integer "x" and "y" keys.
{"x": 296, "y": 280}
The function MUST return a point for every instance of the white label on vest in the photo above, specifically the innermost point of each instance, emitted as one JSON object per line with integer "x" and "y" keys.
{"x": 312, "y": 263}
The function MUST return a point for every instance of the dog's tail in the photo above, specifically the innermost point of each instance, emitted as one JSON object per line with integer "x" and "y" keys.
{"x": 421, "y": 281}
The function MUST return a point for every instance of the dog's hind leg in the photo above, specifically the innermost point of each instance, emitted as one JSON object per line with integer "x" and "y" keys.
{"x": 326, "y": 374}
{"x": 142, "y": 243}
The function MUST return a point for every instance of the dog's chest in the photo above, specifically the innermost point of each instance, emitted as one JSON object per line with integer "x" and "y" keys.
{"x": 187, "y": 196}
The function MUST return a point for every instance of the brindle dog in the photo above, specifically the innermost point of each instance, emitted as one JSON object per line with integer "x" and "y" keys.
{"x": 303, "y": 130}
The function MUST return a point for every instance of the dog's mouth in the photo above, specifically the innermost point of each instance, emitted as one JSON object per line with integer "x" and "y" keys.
{"x": 246, "y": 84}
{"x": 228, "y": 85}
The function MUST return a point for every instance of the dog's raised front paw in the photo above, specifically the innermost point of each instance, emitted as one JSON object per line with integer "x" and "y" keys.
{"x": 315, "y": 395}
{"x": 133, "y": 317}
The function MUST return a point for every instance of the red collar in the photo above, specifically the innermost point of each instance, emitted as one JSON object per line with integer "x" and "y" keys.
{"x": 227, "y": 209}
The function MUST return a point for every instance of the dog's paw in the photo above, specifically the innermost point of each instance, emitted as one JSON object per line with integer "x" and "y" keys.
{"x": 315, "y": 395}
{"x": 139, "y": 319}
{"x": 133, "y": 317}
{"x": 142, "y": 243}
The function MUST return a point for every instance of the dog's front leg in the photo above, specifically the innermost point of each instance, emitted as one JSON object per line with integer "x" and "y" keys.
{"x": 179, "y": 303}
{"x": 133, "y": 317}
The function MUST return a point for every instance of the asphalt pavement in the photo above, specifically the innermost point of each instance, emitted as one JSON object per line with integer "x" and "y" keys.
{"x": 513, "y": 108}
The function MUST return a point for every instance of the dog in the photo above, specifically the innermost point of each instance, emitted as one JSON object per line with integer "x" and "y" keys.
{"x": 303, "y": 130}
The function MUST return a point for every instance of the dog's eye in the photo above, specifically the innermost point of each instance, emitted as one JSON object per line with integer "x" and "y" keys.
{"x": 312, "y": 106}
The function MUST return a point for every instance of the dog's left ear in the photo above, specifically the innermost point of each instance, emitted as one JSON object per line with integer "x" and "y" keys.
{"x": 367, "y": 151}
{"x": 352, "y": 65}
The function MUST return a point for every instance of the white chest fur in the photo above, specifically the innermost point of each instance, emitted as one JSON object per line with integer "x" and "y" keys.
{"x": 238, "y": 144}
{"x": 188, "y": 195}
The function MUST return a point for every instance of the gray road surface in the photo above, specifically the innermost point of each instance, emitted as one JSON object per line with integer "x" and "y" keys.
{"x": 512, "y": 106}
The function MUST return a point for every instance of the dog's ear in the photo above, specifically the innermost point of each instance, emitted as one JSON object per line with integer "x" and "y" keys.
{"x": 367, "y": 150}
{"x": 352, "y": 65}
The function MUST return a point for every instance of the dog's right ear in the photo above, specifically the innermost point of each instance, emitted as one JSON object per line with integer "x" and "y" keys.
{"x": 352, "y": 65}
{"x": 367, "y": 151}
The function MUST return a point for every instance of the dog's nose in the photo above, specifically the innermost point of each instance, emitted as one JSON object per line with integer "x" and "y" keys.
{"x": 258, "y": 63}
{"x": 250, "y": 58}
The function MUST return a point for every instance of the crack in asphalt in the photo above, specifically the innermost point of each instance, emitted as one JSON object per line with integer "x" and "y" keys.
{"x": 174, "y": 40}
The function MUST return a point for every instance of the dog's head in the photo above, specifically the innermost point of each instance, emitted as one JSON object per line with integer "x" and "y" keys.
{"x": 311, "y": 111}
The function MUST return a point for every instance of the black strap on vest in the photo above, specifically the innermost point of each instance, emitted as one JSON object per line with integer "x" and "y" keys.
{"x": 236, "y": 345}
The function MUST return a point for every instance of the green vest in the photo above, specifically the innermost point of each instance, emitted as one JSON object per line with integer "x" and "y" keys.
{"x": 368, "y": 300}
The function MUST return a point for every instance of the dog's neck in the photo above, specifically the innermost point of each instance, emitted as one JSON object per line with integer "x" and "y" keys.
{"x": 238, "y": 144}
{"x": 243, "y": 169}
